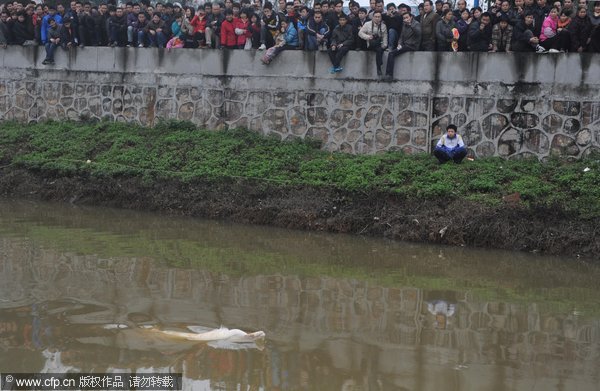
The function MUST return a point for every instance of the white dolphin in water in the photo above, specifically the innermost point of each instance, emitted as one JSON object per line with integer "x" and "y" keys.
{"x": 220, "y": 334}
{"x": 221, "y": 338}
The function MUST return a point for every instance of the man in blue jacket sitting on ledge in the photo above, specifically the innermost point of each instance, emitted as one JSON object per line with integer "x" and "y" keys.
{"x": 450, "y": 146}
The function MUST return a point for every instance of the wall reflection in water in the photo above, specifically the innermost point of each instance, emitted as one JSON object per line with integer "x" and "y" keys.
{"x": 324, "y": 332}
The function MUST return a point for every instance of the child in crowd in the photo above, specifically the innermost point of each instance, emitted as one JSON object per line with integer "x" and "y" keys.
{"x": 287, "y": 39}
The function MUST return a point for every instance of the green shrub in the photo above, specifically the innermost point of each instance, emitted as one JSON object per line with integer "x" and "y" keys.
{"x": 179, "y": 150}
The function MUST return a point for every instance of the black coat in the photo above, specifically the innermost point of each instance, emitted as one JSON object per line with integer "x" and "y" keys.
{"x": 479, "y": 40}
{"x": 87, "y": 28}
{"x": 21, "y": 32}
{"x": 343, "y": 35}
{"x": 580, "y": 29}
{"x": 67, "y": 35}
{"x": 393, "y": 22}
{"x": 118, "y": 23}
{"x": 520, "y": 39}
{"x": 4, "y": 34}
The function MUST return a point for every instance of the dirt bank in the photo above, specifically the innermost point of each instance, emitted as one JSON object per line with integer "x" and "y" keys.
{"x": 457, "y": 222}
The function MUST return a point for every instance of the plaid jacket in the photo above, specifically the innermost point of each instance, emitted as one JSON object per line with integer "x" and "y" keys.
{"x": 501, "y": 38}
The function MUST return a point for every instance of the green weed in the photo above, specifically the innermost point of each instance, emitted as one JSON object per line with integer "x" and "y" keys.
{"x": 179, "y": 150}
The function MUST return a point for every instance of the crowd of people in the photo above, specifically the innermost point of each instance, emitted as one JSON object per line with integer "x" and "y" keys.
{"x": 508, "y": 25}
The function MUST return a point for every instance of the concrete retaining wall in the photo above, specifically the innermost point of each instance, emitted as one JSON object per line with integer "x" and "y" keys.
{"x": 511, "y": 105}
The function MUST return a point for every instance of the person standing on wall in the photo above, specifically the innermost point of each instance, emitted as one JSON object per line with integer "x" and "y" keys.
{"x": 450, "y": 146}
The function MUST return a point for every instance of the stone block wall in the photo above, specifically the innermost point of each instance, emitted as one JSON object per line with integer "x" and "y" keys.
{"x": 513, "y": 105}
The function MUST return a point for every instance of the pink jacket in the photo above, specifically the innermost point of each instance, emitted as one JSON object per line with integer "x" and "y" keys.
{"x": 548, "y": 28}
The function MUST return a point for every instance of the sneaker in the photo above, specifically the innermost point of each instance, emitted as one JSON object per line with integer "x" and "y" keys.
{"x": 540, "y": 49}
{"x": 388, "y": 78}
{"x": 141, "y": 45}
{"x": 553, "y": 51}
{"x": 128, "y": 45}
{"x": 113, "y": 44}
{"x": 332, "y": 70}
{"x": 339, "y": 69}
{"x": 45, "y": 62}
{"x": 262, "y": 47}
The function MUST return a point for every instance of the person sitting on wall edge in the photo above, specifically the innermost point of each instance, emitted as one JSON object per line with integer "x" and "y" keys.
{"x": 450, "y": 146}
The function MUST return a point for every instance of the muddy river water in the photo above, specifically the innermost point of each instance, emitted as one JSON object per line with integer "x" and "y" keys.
{"x": 339, "y": 312}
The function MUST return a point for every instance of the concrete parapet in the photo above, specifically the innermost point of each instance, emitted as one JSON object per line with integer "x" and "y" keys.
{"x": 510, "y": 105}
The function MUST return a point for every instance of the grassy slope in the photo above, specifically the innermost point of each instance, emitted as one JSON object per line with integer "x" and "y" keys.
{"x": 180, "y": 150}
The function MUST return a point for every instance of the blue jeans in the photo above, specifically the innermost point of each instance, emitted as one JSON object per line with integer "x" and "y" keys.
{"x": 141, "y": 39}
{"x": 157, "y": 39}
{"x": 50, "y": 48}
{"x": 392, "y": 38}
{"x": 311, "y": 41}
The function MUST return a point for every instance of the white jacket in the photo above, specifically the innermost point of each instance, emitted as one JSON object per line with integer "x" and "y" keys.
{"x": 370, "y": 29}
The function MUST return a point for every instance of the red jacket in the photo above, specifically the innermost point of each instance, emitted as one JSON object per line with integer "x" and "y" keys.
{"x": 240, "y": 24}
{"x": 198, "y": 24}
{"x": 228, "y": 37}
